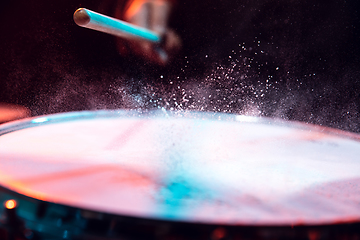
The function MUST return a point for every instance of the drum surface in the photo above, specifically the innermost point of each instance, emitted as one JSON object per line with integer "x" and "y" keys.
{"x": 192, "y": 167}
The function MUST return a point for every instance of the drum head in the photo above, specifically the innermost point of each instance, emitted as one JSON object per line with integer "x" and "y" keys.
{"x": 191, "y": 167}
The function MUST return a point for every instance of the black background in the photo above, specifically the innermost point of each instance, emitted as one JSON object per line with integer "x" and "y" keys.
{"x": 296, "y": 60}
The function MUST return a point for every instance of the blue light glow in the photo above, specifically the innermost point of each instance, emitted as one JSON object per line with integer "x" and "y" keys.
{"x": 40, "y": 120}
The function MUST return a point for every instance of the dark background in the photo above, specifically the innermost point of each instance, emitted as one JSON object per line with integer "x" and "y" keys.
{"x": 296, "y": 60}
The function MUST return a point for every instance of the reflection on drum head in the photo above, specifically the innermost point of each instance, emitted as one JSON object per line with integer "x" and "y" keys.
{"x": 217, "y": 169}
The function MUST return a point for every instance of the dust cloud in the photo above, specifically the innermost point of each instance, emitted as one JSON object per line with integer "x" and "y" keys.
{"x": 271, "y": 60}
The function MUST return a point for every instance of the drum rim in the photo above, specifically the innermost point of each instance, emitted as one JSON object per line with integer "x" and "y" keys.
{"x": 16, "y": 125}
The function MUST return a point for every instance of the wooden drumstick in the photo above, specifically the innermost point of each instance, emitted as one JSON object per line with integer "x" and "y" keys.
{"x": 99, "y": 22}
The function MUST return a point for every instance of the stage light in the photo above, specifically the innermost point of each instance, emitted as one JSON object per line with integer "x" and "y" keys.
{"x": 10, "y": 204}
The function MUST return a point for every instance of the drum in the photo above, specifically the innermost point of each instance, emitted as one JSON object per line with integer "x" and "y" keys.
{"x": 170, "y": 175}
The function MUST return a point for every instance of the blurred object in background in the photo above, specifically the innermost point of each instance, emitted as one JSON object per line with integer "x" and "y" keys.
{"x": 10, "y": 112}
{"x": 153, "y": 15}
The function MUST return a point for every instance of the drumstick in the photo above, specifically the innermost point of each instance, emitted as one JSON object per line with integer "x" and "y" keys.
{"x": 99, "y": 22}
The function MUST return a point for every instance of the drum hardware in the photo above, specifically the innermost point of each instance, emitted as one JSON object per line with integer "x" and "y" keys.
{"x": 13, "y": 227}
